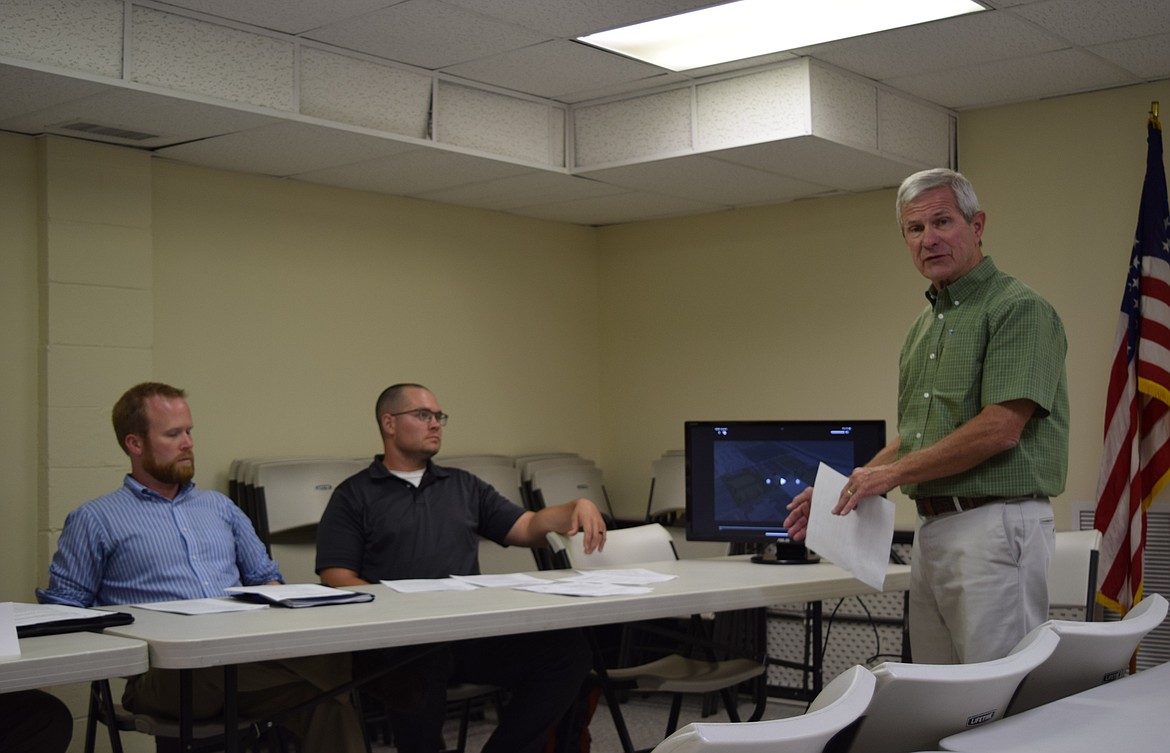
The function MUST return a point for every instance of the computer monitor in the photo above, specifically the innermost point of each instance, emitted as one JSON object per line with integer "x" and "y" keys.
{"x": 741, "y": 475}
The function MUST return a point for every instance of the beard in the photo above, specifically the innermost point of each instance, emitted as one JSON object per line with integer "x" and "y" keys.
{"x": 172, "y": 472}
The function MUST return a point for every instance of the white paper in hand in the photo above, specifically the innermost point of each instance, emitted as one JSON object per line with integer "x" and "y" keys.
{"x": 858, "y": 542}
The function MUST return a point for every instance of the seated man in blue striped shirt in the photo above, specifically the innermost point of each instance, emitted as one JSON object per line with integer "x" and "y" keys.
{"x": 158, "y": 538}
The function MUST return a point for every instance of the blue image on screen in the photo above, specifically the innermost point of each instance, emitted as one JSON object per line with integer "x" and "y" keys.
{"x": 755, "y": 481}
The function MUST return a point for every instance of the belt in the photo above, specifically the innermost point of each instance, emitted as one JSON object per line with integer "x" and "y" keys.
{"x": 930, "y": 506}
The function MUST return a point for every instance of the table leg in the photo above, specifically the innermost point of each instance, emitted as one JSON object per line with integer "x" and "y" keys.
{"x": 231, "y": 715}
{"x": 186, "y": 715}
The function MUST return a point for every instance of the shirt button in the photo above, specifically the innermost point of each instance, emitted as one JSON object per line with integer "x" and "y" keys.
{"x": 940, "y": 317}
{"x": 926, "y": 395}
{"x": 918, "y": 435}
{"x": 932, "y": 356}
{"x": 956, "y": 303}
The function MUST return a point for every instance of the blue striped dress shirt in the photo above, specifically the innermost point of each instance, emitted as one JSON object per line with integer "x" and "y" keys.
{"x": 134, "y": 546}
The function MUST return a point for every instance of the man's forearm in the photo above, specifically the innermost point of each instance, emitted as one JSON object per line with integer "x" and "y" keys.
{"x": 995, "y": 429}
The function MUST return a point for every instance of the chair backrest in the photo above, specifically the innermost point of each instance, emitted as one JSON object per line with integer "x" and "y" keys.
{"x": 296, "y": 492}
{"x": 463, "y": 461}
{"x": 916, "y": 705}
{"x": 564, "y": 483}
{"x": 522, "y": 461}
{"x": 532, "y": 466}
{"x": 1072, "y": 576}
{"x": 623, "y": 546}
{"x": 496, "y": 560}
{"x": 833, "y": 711}
{"x": 668, "y": 486}
{"x": 1089, "y": 654}
{"x": 505, "y": 479}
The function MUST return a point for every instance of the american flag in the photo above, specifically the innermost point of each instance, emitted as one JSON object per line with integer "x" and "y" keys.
{"x": 1135, "y": 463}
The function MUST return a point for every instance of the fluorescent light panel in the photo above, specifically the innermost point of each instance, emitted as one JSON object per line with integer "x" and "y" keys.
{"x": 749, "y": 28}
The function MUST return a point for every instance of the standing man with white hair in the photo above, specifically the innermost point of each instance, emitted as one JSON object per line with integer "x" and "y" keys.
{"x": 982, "y": 435}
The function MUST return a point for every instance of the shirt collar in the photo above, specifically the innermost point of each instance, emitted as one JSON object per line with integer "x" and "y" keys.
{"x": 963, "y": 287}
{"x": 379, "y": 470}
{"x": 150, "y": 495}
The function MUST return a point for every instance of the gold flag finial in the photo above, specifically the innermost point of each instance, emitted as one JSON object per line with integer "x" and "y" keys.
{"x": 1154, "y": 115}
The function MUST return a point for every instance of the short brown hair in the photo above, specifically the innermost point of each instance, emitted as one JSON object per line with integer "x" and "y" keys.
{"x": 130, "y": 411}
{"x": 390, "y": 397}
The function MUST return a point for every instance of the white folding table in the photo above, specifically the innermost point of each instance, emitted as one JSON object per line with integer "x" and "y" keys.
{"x": 397, "y": 619}
{"x": 71, "y": 657}
{"x": 1130, "y": 714}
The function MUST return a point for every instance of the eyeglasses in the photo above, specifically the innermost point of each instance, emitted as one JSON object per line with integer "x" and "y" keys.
{"x": 424, "y": 415}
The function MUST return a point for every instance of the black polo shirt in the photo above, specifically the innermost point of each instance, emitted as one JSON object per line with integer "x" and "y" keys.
{"x": 385, "y": 528}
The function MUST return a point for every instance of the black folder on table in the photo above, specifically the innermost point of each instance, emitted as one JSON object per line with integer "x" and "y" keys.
{"x": 276, "y": 596}
{"x": 80, "y": 624}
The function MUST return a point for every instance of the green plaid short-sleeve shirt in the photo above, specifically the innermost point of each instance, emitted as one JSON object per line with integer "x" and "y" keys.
{"x": 987, "y": 338}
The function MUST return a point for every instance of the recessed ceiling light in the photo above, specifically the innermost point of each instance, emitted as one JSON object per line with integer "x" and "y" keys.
{"x": 749, "y": 28}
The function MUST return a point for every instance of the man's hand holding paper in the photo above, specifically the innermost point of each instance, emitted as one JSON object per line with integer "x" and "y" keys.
{"x": 858, "y": 542}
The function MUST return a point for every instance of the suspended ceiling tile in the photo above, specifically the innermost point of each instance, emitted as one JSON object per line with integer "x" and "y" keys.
{"x": 709, "y": 180}
{"x": 172, "y": 119}
{"x": 658, "y": 80}
{"x": 1148, "y": 57}
{"x": 288, "y": 16}
{"x": 285, "y": 148}
{"x": 530, "y": 189}
{"x": 84, "y": 35}
{"x": 618, "y": 208}
{"x": 634, "y": 129}
{"x": 363, "y": 93}
{"x": 553, "y": 69}
{"x": 574, "y": 19}
{"x": 1088, "y": 22}
{"x": 821, "y": 162}
{"x": 942, "y": 45}
{"x": 189, "y": 55}
{"x": 426, "y": 33}
{"x": 29, "y": 91}
{"x": 755, "y": 107}
{"x": 1022, "y": 79}
{"x": 415, "y": 172}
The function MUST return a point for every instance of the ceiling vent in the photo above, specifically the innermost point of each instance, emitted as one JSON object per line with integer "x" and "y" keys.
{"x": 100, "y": 132}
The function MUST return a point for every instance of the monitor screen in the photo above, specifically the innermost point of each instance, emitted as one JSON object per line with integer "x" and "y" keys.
{"x": 741, "y": 475}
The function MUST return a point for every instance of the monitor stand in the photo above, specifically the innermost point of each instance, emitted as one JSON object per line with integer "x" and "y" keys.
{"x": 787, "y": 553}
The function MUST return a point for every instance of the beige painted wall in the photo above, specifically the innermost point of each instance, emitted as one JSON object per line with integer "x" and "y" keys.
{"x": 285, "y": 309}
{"x": 19, "y": 435}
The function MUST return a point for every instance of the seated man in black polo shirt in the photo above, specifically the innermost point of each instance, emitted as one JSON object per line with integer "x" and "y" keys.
{"x": 405, "y": 517}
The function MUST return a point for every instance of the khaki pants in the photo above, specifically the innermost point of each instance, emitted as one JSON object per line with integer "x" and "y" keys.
{"x": 979, "y": 581}
{"x": 264, "y": 688}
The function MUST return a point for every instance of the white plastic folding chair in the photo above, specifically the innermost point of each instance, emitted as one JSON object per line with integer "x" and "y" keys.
{"x": 916, "y": 705}
{"x": 462, "y": 461}
{"x": 563, "y": 483}
{"x": 668, "y": 489}
{"x": 505, "y": 479}
{"x": 1072, "y": 575}
{"x": 675, "y": 673}
{"x": 832, "y": 715}
{"x": 1089, "y": 654}
{"x": 290, "y": 496}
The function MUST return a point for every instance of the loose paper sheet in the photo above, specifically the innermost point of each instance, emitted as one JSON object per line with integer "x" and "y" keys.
{"x": 201, "y": 606}
{"x": 422, "y": 585}
{"x": 858, "y": 542}
{"x": 587, "y": 588}
{"x": 36, "y": 614}
{"x": 636, "y": 576}
{"x": 501, "y": 580}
